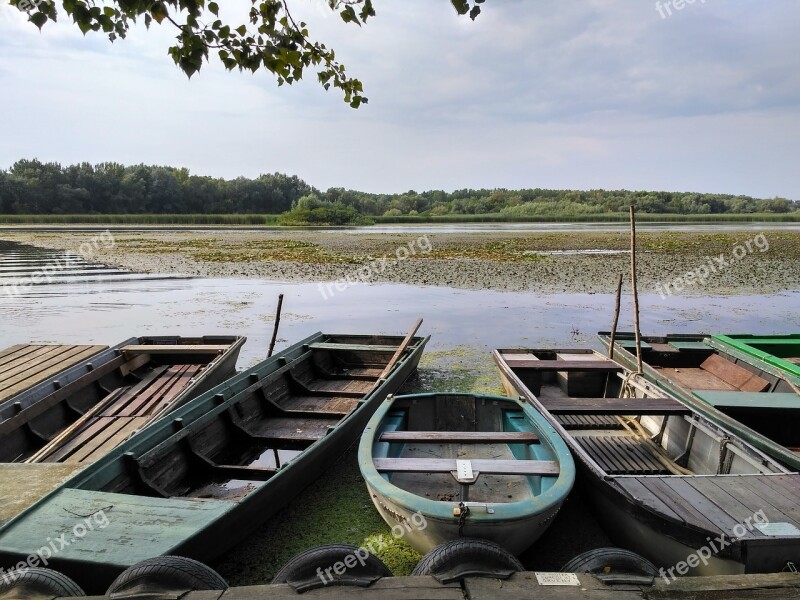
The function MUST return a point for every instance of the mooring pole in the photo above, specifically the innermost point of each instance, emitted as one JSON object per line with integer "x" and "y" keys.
{"x": 277, "y": 323}
{"x": 635, "y": 293}
{"x": 616, "y": 317}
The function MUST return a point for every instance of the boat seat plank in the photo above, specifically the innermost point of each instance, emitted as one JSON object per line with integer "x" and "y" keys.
{"x": 461, "y": 437}
{"x": 678, "y": 345}
{"x": 176, "y": 349}
{"x": 352, "y": 347}
{"x": 612, "y": 406}
{"x": 487, "y": 466}
{"x": 731, "y": 373}
{"x": 757, "y": 400}
{"x": 564, "y": 365}
{"x": 244, "y": 472}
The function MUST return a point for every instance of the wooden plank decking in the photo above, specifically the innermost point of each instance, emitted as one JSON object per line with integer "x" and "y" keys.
{"x": 24, "y": 365}
{"x": 717, "y": 504}
{"x": 119, "y": 415}
{"x": 524, "y": 586}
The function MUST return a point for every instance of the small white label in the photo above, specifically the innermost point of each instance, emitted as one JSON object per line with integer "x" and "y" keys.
{"x": 557, "y": 579}
{"x": 464, "y": 470}
{"x": 778, "y": 529}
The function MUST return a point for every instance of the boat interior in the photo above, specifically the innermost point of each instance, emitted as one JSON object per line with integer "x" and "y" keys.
{"x": 626, "y": 425}
{"x": 235, "y": 441}
{"x": 463, "y": 448}
{"x": 756, "y": 398}
{"x": 82, "y": 418}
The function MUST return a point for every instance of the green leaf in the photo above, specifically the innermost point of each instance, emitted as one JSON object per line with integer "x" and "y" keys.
{"x": 213, "y": 7}
{"x": 461, "y": 6}
{"x": 476, "y": 10}
{"x": 241, "y": 30}
{"x": 39, "y": 19}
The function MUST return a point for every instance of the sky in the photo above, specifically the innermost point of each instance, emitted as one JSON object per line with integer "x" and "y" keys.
{"x": 565, "y": 94}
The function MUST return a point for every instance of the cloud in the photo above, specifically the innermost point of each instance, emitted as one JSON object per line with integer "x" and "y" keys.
{"x": 598, "y": 93}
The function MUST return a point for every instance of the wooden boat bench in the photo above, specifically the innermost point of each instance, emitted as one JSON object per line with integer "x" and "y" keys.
{"x": 614, "y": 406}
{"x": 175, "y": 349}
{"x": 563, "y": 365}
{"x": 461, "y": 437}
{"x": 450, "y": 465}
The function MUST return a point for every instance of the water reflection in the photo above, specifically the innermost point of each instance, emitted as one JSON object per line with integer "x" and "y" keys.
{"x": 110, "y": 312}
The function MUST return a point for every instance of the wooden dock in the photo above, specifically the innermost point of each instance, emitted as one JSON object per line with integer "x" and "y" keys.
{"x": 24, "y": 365}
{"x": 524, "y": 586}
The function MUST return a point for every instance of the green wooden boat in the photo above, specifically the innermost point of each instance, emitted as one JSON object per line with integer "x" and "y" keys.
{"x": 754, "y": 399}
{"x": 446, "y": 465}
{"x": 782, "y": 351}
{"x": 200, "y": 480}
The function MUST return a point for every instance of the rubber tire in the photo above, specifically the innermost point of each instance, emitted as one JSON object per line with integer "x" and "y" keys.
{"x": 610, "y": 560}
{"x": 168, "y": 573}
{"x": 44, "y": 581}
{"x": 448, "y": 555}
{"x": 300, "y": 570}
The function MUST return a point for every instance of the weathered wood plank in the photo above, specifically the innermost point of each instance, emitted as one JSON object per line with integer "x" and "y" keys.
{"x": 712, "y": 506}
{"x": 564, "y": 365}
{"x": 487, "y": 466}
{"x": 175, "y": 349}
{"x": 352, "y": 347}
{"x": 461, "y": 437}
{"x": 614, "y": 406}
{"x": 690, "y": 515}
{"x": 735, "y": 375}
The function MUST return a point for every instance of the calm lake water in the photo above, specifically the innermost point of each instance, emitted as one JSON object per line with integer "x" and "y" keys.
{"x": 109, "y": 312}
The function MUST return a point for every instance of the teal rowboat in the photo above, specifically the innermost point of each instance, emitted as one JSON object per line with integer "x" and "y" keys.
{"x": 441, "y": 466}
{"x": 782, "y": 351}
{"x": 754, "y": 399}
{"x": 200, "y": 480}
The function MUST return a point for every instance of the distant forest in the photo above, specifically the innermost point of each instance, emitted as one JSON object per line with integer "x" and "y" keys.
{"x": 31, "y": 187}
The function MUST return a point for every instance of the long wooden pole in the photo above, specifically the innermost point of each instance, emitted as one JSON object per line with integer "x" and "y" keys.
{"x": 616, "y": 317}
{"x": 635, "y": 293}
{"x": 402, "y": 348}
{"x": 277, "y": 323}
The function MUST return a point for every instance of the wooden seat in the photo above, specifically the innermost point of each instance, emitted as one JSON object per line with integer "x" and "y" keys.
{"x": 448, "y": 465}
{"x": 175, "y": 349}
{"x": 461, "y": 437}
{"x": 564, "y": 365}
{"x": 614, "y": 406}
{"x": 352, "y": 347}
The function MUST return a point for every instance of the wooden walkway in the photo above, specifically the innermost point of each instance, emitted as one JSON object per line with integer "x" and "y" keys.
{"x": 24, "y": 365}
{"x": 525, "y": 586}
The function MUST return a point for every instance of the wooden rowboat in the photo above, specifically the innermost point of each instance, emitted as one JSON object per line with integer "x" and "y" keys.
{"x": 754, "y": 399}
{"x": 83, "y": 412}
{"x": 478, "y": 466}
{"x": 665, "y": 481}
{"x": 200, "y": 480}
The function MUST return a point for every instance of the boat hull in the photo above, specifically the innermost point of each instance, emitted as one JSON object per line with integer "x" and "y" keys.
{"x": 425, "y": 531}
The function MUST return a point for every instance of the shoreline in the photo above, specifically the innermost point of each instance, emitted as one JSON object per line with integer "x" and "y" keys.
{"x": 669, "y": 262}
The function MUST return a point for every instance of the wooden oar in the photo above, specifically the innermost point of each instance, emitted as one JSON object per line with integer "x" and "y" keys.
{"x": 402, "y": 348}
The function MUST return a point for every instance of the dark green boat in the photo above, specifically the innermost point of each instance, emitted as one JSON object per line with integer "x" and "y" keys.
{"x": 199, "y": 481}
{"x": 782, "y": 351}
{"x": 752, "y": 398}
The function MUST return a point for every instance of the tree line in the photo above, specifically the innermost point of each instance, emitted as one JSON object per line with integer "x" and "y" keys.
{"x": 32, "y": 187}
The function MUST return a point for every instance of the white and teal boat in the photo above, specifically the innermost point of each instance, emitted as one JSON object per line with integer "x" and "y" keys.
{"x": 441, "y": 466}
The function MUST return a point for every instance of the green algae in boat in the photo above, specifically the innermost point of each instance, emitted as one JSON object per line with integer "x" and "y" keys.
{"x": 199, "y": 481}
{"x": 445, "y": 465}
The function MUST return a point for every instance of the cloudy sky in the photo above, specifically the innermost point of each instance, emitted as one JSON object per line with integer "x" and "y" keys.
{"x": 573, "y": 94}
